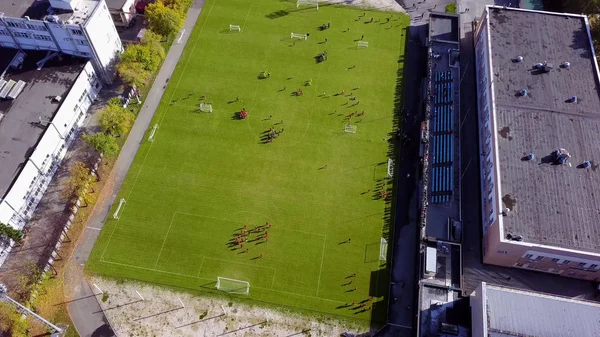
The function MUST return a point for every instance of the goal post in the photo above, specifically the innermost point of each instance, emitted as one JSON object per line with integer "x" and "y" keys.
{"x": 349, "y": 128}
{"x": 235, "y": 28}
{"x": 363, "y": 44}
{"x": 390, "y": 168}
{"x": 307, "y": 3}
{"x": 151, "y": 137}
{"x": 233, "y": 286}
{"x": 383, "y": 250}
{"x": 205, "y": 107}
{"x": 298, "y": 36}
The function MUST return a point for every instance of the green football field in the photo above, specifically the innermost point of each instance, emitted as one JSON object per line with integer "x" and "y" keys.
{"x": 207, "y": 174}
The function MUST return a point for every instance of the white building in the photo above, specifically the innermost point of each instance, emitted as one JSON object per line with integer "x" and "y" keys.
{"x": 81, "y": 28}
{"x": 38, "y": 125}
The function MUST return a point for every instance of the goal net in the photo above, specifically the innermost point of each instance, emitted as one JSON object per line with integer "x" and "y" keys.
{"x": 205, "y": 107}
{"x": 383, "y": 250}
{"x": 307, "y": 3}
{"x": 235, "y": 27}
{"x": 233, "y": 286}
{"x": 298, "y": 36}
{"x": 390, "y": 168}
{"x": 350, "y": 128}
{"x": 363, "y": 44}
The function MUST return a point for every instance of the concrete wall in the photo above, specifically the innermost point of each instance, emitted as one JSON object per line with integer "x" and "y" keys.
{"x": 478, "y": 300}
{"x": 21, "y": 200}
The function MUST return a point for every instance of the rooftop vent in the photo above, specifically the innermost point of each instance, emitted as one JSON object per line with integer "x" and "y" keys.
{"x": 505, "y": 211}
{"x": 561, "y": 156}
{"x": 586, "y": 164}
{"x": 530, "y": 156}
{"x": 565, "y": 65}
{"x": 518, "y": 59}
{"x": 573, "y": 99}
{"x": 514, "y": 237}
{"x": 523, "y": 92}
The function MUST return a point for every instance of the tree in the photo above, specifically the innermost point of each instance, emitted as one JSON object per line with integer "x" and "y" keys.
{"x": 139, "y": 61}
{"x": 78, "y": 181}
{"x": 11, "y": 323}
{"x": 103, "y": 143}
{"x": 116, "y": 120}
{"x": 179, "y": 5}
{"x": 163, "y": 20}
{"x": 133, "y": 73}
{"x": 10, "y": 232}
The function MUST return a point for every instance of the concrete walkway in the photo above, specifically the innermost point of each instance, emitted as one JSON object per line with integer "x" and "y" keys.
{"x": 85, "y": 310}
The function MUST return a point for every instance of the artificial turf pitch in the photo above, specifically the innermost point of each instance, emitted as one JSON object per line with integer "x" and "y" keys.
{"x": 205, "y": 175}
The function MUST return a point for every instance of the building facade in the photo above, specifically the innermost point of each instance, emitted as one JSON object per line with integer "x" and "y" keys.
{"x": 82, "y": 28}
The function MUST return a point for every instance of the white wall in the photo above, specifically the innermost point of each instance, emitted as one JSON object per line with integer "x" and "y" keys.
{"x": 103, "y": 36}
{"x": 478, "y": 303}
{"x": 24, "y": 195}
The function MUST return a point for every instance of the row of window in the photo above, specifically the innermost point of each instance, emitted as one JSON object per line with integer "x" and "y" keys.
{"x": 26, "y": 25}
{"x": 562, "y": 262}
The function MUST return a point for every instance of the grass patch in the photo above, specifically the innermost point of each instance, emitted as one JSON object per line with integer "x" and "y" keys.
{"x": 190, "y": 192}
{"x": 451, "y": 8}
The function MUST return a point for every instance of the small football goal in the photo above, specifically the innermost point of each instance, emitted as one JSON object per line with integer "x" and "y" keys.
{"x": 299, "y": 36}
{"x": 205, "y": 107}
{"x": 390, "y": 168}
{"x": 349, "y": 128}
{"x": 307, "y": 3}
{"x": 233, "y": 286}
{"x": 235, "y": 28}
{"x": 363, "y": 44}
{"x": 383, "y": 250}
{"x": 151, "y": 137}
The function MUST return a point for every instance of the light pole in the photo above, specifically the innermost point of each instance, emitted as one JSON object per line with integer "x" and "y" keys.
{"x": 4, "y": 294}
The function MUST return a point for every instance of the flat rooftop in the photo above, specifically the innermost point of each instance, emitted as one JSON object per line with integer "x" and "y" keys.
{"x": 38, "y": 9}
{"x": 512, "y": 312}
{"x": 20, "y": 127}
{"x": 555, "y": 205}
{"x": 444, "y": 27}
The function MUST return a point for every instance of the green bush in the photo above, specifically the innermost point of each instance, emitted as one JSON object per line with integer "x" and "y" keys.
{"x": 451, "y": 8}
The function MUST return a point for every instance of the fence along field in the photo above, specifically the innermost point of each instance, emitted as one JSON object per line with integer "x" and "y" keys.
{"x": 266, "y": 173}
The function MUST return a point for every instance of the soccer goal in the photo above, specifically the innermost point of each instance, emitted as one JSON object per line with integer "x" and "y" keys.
{"x": 383, "y": 250}
{"x": 299, "y": 36}
{"x": 151, "y": 137}
{"x": 307, "y": 3}
{"x": 390, "y": 168}
{"x": 363, "y": 44}
{"x": 350, "y": 128}
{"x": 233, "y": 286}
{"x": 205, "y": 107}
{"x": 235, "y": 28}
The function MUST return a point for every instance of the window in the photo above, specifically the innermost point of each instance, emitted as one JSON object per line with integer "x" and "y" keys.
{"x": 539, "y": 258}
{"x": 81, "y": 42}
{"x": 3, "y": 32}
{"x": 555, "y": 260}
{"x": 566, "y": 262}
{"x": 503, "y": 252}
{"x": 83, "y": 95}
{"x": 36, "y": 27}
{"x": 528, "y": 256}
{"x": 594, "y": 266}
{"x": 582, "y": 264}
{"x": 21, "y": 34}
{"x": 42, "y": 37}
{"x": 519, "y": 264}
{"x": 77, "y": 31}
{"x": 15, "y": 24}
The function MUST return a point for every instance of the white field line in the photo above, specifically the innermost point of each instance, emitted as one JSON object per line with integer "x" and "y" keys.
{"x": 165, "y": 240}
{"x": 321, "y": 268}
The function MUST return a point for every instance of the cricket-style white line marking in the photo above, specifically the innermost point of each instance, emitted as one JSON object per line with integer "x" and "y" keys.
{"x": 100, "y": 290}
{"x": 164, "y": 241}
{"x": 321, "y": 269}
{"x": 94, "y": 228}
{"x": 182, "y": 305}
{"x": 140, "y": 295}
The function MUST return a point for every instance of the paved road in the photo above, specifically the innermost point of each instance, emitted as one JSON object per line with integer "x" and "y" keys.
{"x": 82, "y": 310}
